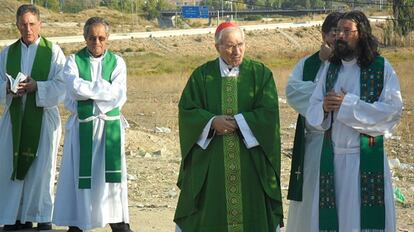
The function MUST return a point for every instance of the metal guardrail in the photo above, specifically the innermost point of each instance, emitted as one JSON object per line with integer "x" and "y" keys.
{"x": 214, "y": 13}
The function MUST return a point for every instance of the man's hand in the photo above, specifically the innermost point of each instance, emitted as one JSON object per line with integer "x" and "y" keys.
{"x": 333, "y": 101}
{"x": 29, "y": 86}
{"x": 325, "y": 51}
{"x": 19, "y": 92}
{"x": 224, "y": 124}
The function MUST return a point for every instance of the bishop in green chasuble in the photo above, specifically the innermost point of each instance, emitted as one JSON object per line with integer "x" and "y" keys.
{"x": 228, "y": 185}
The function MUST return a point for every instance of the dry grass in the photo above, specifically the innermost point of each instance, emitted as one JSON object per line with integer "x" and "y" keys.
{"x": 159, "y": 68}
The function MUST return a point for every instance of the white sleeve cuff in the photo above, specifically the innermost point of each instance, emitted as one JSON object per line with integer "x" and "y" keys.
{"x": 203, "y": 141}
{"x": 327, "y": 121}
{"x": 347, "y": 107}
{"x": 248, "y": 136}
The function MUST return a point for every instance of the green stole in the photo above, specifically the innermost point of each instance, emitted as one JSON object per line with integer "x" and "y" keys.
{"x": 231, "y": 151}
{"x": 112, "y": 125}
{"x": 27, "y": 122}
{"x": 310, "y": 69}
{"x": 371, "y": 160}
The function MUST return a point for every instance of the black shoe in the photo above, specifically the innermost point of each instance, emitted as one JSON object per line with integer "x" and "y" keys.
{"x": 44, "y": 226}
{"x": 25, "y": 226}
{"x": 120, "y": 227}
{"x": 74, "y": 229}
{"x": 10, "y": 227}
{"x": 18, "y": 226}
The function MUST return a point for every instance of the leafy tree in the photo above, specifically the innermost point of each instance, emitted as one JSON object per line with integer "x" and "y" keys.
{"x": 74, "y": 6}
{"x": 212, "y": 4}
{"x": 153, "y": 7}
{"x": 49, "y": 4}
{"x": 404, "y": 16}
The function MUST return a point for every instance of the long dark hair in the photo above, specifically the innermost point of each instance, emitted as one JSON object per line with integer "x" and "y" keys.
{"x": 367, "y": 44}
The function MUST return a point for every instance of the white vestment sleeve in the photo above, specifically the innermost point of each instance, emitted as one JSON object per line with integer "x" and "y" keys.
{"x": 3, "y": 77}
{"x": 81, "y": 89}
{"x": 52, "y": 92}
{"x": 315, "y": 115}
{"x": 203, "y": 141}
{"x": 117, "y": 88}
{"x": 106, "y": 95}
{"x": 248, "y": 137}
{"x": 380, "y": 117}
{"x": 298, "y": 92}
{"x": 3, "y": 92}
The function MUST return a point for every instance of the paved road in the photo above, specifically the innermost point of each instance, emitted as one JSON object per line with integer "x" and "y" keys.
{"x": 166, "y": 33}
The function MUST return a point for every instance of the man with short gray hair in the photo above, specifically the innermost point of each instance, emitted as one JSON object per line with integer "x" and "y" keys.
{"x": 31, "y": 87}
{"x": 230, "y": 143}
{"x": 92, "y": 187}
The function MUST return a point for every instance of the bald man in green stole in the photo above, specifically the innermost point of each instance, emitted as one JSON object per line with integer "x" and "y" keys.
{"x": 30, "y": 126}
{"x": 230, "y": 143}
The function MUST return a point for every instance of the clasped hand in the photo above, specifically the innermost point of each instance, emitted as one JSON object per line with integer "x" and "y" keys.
{"x": 224, "y": 124}
{"x": 333, "y": 101}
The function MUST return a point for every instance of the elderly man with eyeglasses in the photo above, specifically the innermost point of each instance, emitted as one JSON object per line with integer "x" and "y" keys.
{"x": 230, "y": 143}
{"x": 92, "y": 187}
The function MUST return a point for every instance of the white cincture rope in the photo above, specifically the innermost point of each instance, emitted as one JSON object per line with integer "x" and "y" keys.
{"x": 101, "y": 116}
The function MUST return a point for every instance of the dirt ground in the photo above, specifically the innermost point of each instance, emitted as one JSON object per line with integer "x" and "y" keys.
{"x": 152, "y": 145}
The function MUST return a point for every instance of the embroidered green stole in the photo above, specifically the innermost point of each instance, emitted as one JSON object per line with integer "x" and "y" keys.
{"x": 231, "y": 153}
{"x": 27, "y": 121}
{"x": 112, "y": 125}
{"x": 310, "y": 69}
{"x": 371, "y": 160}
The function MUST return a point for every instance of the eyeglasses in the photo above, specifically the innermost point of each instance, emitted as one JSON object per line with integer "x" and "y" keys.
{"x": 346, "y": 32}
{"x": 230, "y": 47}
{"x": 94, "y": 38}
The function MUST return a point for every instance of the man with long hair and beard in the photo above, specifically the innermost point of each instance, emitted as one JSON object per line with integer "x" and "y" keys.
{"x": 357, "y": 104}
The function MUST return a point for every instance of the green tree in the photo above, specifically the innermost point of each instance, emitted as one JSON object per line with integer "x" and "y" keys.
{"x": 49, "y": 4}
{"x": 153, "y": 7}
{"x": 212, "y": 4}
{"x": 403, "y": 11}
{"x": 74, "y": 6}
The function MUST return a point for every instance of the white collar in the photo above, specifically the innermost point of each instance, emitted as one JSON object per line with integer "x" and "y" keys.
{"x": 36, "y": 43}
{"x": 227, "y": 70}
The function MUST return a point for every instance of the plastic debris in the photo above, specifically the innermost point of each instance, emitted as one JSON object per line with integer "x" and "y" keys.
{"x": 399, "y": 196}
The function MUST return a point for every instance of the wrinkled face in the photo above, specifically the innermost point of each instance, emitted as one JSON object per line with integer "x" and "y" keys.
{"x": 96, "y": 40}
{"x": 231, "y": 48}
{"x": 29, "y": 27}
{"x": 347, "y": 38}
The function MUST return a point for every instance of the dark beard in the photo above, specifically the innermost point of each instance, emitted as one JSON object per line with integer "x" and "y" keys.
{"x": 343, "y": 51}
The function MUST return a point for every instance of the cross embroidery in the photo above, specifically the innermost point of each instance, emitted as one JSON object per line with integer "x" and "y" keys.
{"x": 298, "y": 173}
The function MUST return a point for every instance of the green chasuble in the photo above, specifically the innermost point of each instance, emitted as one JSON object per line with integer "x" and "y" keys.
{"x": 228, "y": 187}
{"x": 112, "y": 136}
{"x": 27, "y": 120}
{"x": 310, "y": 69}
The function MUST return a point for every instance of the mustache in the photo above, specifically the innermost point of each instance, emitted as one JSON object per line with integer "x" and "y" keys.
{"x": 341, "y": 42}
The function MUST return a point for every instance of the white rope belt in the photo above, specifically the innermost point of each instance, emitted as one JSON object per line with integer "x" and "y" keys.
{"x": 101, "y": 116}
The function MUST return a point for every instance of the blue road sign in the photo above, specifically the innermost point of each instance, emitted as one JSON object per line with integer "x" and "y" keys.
{"x": 203, "y": 11}
{"x": 194, "y": 11}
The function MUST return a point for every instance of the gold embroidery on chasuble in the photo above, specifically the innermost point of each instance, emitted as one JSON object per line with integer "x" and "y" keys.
{"x": 232, "y": 169}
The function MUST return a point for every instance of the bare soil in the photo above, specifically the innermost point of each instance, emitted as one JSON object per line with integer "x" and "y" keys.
{"x": 158, "y": 69}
